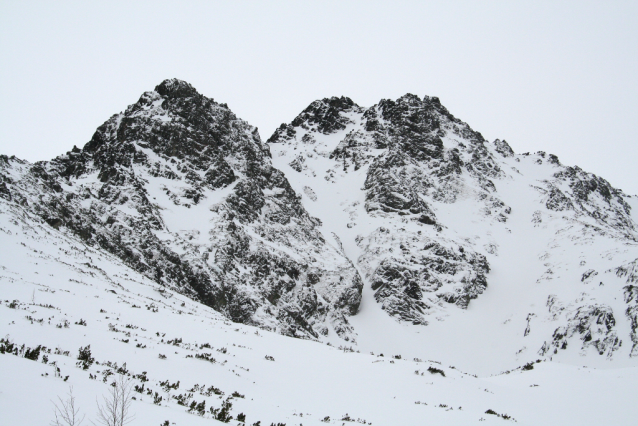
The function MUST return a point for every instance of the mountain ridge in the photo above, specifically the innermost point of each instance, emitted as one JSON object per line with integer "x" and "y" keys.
{"x": 285, "y": 248}
{"x": 194, "y": 150}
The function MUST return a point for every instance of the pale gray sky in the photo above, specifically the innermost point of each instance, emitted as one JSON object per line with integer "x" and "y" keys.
{"x": 544, "y": 75}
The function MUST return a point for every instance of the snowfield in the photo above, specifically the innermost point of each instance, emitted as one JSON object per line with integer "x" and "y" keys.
{"x": 50, "y": 283}
{"x": 380, "y": 266}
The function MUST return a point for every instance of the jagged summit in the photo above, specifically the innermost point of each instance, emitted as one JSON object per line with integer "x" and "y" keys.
{"x": 175, "y": 88}
{"x": 326, "y": 116}
{"x": 176, "y": 121}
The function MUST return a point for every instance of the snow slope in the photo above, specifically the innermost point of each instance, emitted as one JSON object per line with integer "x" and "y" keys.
{"x": 48, "y": 278}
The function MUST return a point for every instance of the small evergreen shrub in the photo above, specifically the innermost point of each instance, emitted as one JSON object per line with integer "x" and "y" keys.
{"x": 206, "y": 357}
{"x": 8, "y": 347}
{"x": 197, "y": 408}
{"x": 85, "y": 360}
{"x": 434, "y": 370}
{"x": 166, "y": 385}
{"x": 222, "y": 414}
{"x": 503, "y": 416}
{"x": 32, "y": 354}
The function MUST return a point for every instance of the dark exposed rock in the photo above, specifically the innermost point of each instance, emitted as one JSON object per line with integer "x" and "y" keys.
{"x": 590, "y": 195}
{"x": 174, "y": 88}
{"x": 503, "y": 148}
{"x": 557, "y": 201}
{"x": 589, "y": 274}
{"x": 628, "y": 270}
{"x": 219, "y": 174}
{"x": 554, "y": 159}
{"x": 393, "y": 192}
{"x": 298, "y": 163}
{"x": 283, "y": 132}
{"x": 326, "y": 115}
{"x": 5, "y": 180}
{"x": 411, "y": 275}
{"x": 630, "y": 294}
{"x": 595, "y": 325}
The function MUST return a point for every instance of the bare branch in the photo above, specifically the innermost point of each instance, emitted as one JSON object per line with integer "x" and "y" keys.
{"x": 66, "y": 413}
{"x": 114, "y": 411}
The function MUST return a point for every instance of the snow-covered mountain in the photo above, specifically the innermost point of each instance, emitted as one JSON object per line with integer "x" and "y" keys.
{"x": 176, "y": 233}
{"x": 183, "y": 191}
{"x": 438, "y": 219}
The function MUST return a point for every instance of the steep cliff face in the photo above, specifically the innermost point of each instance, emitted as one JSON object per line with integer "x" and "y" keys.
{"x": 432, "y": 214}
{"x": 182, "y": 190}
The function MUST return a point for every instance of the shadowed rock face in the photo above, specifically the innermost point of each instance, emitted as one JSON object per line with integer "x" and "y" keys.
{"x": 503, "y": 148}
{"x": 327, "y": 116}
{"x": 590, "y": 195}
{"x": 182, "y": 190}
{"x": 631, "y": 298}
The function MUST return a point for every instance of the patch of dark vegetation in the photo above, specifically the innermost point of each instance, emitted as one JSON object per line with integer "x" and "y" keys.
{"x": 434, "y": 370}
{"x": 502, "y": 416}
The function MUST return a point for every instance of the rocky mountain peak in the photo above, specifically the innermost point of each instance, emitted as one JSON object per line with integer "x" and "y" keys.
{"x": 415, "y": 109}
{"x": 185, "y": 192}
{"x": 175, "y": 88}
{"x": 325, "y": 116}
{"x": 415, "y": 164}
{"x": 503, "y": 148}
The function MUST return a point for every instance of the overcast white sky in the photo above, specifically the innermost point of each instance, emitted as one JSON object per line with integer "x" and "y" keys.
{"x": 554, "y": 76}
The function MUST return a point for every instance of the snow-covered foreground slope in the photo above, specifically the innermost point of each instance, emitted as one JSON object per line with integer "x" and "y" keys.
{"x": 51, "y": 284}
